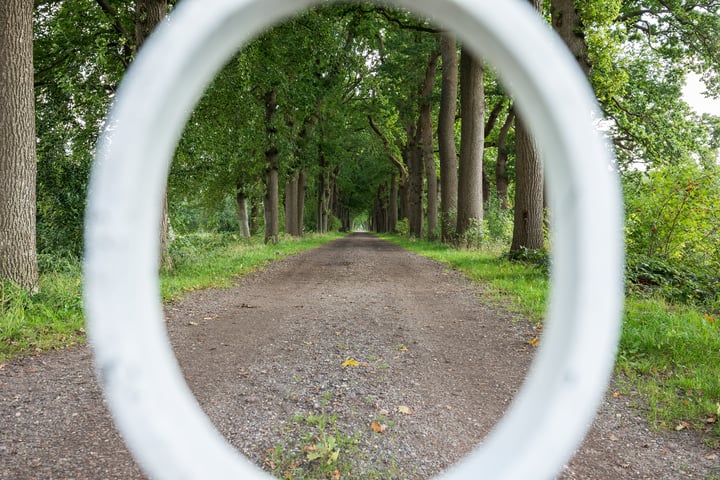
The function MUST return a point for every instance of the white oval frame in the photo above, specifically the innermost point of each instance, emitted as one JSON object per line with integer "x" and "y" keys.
{"x": 152, "y": 406}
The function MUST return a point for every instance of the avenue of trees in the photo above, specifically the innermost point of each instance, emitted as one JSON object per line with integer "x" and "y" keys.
{"x": 362, "y": 116}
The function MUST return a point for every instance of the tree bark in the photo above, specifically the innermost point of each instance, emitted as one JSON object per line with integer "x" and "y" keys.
{"x": 242, "y": 212}
{"x": 502, "y": 181}
{"x": 272, "y": 161}
{"x": 392, "y": 217}
{"x": 300, "y": 202}
{"x": 291, "y": 194}
{"x": 566, "y": 22}
{"x": 446, "y": 135}
{"x": 427, "y": 145}
{"x": 415, "y": 182}
{"x": 528, "y": 214}
{"x": 18, "y": 171}
{"x": 148, "y": 14}
{"x": 528, "y": 217}
{"x": 472, "y": 98}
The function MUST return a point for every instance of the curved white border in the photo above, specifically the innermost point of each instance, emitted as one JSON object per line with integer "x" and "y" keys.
{"x": 152, "y": 406}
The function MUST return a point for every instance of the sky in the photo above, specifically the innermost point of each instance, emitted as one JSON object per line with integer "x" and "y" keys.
{"x": 694, "y": 97}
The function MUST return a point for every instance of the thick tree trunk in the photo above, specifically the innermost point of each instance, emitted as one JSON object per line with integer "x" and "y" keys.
{"x": 502, "y": 180}
{"x": 393, "y": 205}
{"x": 566, "y": 22}
{"x": 272, "y": 161}
{"x": 324, "y": 194}
{"x": 472, "y": 98}
{"x": 300, "y": 203}
{"x": 18, "y": 259}
{"x": 529, "y": 183}
{"x": 427, "y": 145}
{"x": 415, "y": 183}
{"x": 148, "y": 14}
{"x": 242, "y": 212}
{"x": 528, "y": 223}
{"x": 446, "y": 136}
{"x": 291, "y": 209}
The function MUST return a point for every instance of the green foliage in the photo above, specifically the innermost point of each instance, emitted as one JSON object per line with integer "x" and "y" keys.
{"x": 673, "y": 231}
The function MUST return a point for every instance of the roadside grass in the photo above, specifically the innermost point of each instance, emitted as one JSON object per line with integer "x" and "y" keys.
{"x": 54, "y": 319}
{"x": 668, "y": 357}
{"x": 315, "y": 448}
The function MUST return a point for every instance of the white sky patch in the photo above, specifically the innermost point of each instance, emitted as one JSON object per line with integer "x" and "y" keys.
{"x": 693, "y": 95}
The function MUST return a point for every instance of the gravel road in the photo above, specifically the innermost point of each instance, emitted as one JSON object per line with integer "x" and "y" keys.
{"x": 355, "y": 332}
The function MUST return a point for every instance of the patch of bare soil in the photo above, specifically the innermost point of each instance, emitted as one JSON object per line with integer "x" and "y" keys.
{"x": 424, "y": 357}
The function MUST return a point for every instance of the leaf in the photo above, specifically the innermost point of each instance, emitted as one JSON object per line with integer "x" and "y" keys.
{"x": 404, "y": 410}
{"x": 711, "y": 420}
{"x": 193, "y": 324}
{"x": 682, "y": 426}
{"x": 378, "y": 427}
{"x": 350, "y": 362}
{"x": 534, "y": 342}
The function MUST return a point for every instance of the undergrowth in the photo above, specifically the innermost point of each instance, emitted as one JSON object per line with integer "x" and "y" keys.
{"x": 53, "y": 318}
{"x": 669, "y": 353}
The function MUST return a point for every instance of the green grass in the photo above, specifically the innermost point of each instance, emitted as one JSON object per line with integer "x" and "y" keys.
{"x": 213, "y": 261}
{"x": 53, "y": 318}
{"x": 669, "y": 355}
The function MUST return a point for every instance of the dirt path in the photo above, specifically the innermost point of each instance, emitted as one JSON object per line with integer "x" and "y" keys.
{"x": 265, "y": 357}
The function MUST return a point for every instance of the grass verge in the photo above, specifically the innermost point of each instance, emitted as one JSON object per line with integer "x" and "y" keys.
{"x": 669, "y": 355}
{"x": 53, "y": 318}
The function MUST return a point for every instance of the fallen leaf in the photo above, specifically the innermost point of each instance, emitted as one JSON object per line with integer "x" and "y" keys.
{"x": 336, "y": 475}
{"x": 534, "y": 342}
{"x": 613, "y": 438}
{"x": 404, "y": 410}
{"x": 378, "y": 427}
{"x": 709, "y": 319}
{"x": 711, "y": 456}
{"x": 350, "y": 362}
{"x": 616, "y": 394}
{"x": 712, "y": 419}
{"x": 402, "y": 348}
{"x": 682, "y": 426}
{"x": 193, "y": 324}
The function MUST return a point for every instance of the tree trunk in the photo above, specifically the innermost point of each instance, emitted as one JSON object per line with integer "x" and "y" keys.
{"x": 528, "y": 215}
{"x": 272, "y": 161}
{"x": 291, "y": 209}
{"x": 148, "y": 14}
{"x": 415, "y": 183}
{"x": 502, "y": 181}
{"x": 18, "y": 171}
{"x": 242, "y": 212}
{"x": 300, "y": 202}
{"x": 254, "y": 217}
{"x": 446, "y": 135}
{"x": 566, "y": 22}
{"x": 427, "y": 145}
{"x": 393, "y": 205}
{"x": 528, "y": 219}
{"x": 472, "y": 98}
